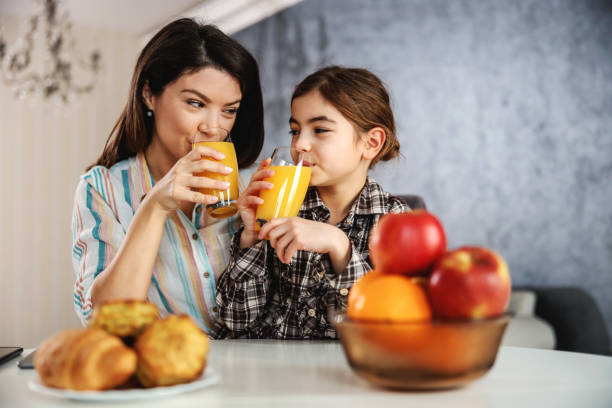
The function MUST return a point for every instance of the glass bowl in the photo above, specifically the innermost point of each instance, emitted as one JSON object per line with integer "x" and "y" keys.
{"x": 421, "y": 355}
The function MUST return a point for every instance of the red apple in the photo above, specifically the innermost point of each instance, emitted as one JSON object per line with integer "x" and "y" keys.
{"x": 469, "y": 282}
{"x": 407, "y": 243}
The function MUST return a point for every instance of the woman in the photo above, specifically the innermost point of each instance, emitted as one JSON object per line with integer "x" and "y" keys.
{"x": 138, "y": 226}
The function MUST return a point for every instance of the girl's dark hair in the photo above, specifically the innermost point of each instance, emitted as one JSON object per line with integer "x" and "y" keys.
{"x": 360, "y": 97}
{"x": 181, "y": 47}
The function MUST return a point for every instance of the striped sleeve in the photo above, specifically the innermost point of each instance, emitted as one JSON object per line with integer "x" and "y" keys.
{"x": 96, "y": 235}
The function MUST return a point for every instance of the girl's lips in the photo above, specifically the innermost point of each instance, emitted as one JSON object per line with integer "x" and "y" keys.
{"x": 306, "y": 163}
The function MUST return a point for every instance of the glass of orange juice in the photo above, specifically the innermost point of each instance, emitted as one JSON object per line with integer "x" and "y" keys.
{"x": 290, "y": 182}
{"x": 218, "y": 139}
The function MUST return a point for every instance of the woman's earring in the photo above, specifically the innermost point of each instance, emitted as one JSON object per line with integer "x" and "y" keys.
{"x": 149, "y": 113}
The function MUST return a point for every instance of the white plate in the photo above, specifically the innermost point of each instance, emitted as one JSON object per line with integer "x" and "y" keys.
{"x": 208, "y": 378}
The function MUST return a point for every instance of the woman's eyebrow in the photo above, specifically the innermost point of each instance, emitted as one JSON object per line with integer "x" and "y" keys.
{"x": 207, "y": 99}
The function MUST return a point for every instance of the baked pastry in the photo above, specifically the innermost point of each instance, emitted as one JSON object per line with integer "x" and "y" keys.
{"x": 124, "y": 318}
{"x": 171, "y": 351}
{"x": 84, "y": 359}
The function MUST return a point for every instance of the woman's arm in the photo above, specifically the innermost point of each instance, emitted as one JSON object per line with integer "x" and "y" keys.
{"x": 125, "y": 265}
{"x": 128, "y": 275}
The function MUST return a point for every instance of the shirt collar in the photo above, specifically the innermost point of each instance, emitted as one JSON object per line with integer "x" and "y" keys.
{"x": 371, "y": 200}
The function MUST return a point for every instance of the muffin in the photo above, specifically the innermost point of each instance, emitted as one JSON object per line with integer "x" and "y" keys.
{"x": 171, "y": 351}
{"x": 124, "y": 318}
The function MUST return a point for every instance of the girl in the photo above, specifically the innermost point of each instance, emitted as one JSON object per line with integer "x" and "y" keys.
{"x": 341, "y": 125}
{"x": 138, "y": 226}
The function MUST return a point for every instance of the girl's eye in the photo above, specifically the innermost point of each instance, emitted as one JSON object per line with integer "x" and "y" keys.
{"x": 195, "y": 103}
{"x": 231, "y": 111}
{"x": 293, "y": 132}
{"x": 321, "y": 130}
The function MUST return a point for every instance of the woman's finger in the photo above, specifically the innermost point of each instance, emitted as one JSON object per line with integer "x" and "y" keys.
{"x": 203, "y": 182}
{"x": 181, "y": 193}
{"x": 199, "y": 166}
{"x": 201, "y": 151}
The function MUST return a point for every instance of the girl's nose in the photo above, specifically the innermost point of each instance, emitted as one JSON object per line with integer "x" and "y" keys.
{"x": 302, "y": 144}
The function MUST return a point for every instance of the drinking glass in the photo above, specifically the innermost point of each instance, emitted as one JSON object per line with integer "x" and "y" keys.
{"x": 290, "y": 182}
{"x": 226, "y": 206}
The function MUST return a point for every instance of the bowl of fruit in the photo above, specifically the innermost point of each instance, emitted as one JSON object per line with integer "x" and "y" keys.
{"x": 429, "y": 321}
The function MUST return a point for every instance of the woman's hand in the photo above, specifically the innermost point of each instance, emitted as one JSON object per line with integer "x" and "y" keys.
{"x": 249, "y": 200}
{"x": 288, "y": 235}
{"x": 180, "y": 184}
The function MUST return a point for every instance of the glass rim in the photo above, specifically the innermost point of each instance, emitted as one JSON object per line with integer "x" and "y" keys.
{"x": 341, "y": 318}
{"x": 227, "y": 138}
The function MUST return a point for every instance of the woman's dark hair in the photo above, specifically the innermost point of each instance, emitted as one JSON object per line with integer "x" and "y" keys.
{"x": 181, "y": 47}
{"x": 360, "y": 97}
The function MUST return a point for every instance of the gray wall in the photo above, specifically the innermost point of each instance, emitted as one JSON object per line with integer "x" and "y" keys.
{"x": 504, "y": 110}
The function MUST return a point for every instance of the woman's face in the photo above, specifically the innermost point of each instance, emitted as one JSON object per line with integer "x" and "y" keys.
{"x": 196, "y": 101}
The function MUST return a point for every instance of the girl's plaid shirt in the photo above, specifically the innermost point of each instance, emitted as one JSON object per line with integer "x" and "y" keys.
{"x": 260, "y": 297}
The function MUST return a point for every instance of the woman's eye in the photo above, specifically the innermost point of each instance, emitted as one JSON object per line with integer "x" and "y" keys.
{"x": 293, "y": 132}
{"x": 321, "y": 130}
{"x": 231, "y": 111}
{"x": 195, "y": 103}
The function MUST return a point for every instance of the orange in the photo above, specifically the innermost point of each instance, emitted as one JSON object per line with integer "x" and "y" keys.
{"x": 398, "y": 309}
{"x": 388, "y": 298}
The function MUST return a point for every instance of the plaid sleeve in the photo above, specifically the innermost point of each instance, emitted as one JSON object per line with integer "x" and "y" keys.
{"x": 96, "y": 237}
{"x": 243, "y": 288}
{"x": 341, "y": 283}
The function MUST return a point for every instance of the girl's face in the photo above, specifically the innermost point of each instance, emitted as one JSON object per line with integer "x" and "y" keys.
{"x": 196, "y": 101}
{"x": 326, "y": 141}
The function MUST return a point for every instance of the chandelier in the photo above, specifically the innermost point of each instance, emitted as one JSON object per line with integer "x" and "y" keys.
{"x": 43, "y": 61}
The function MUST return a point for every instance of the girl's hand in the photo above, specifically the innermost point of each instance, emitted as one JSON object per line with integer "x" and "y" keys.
{"x": 249, "y": 200}
{"x": 287, "y": 235}
{"x": 180, "y": 184}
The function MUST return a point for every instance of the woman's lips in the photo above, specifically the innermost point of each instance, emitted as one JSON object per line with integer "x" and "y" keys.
{"x": 306, "y": 163}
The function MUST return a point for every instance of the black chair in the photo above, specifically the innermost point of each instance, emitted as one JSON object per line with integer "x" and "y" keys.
{"x": 414, "y": 201}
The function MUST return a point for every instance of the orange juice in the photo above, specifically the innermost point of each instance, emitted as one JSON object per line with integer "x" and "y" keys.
{"x": 287, "y": 195}
{"x": 226, "y": 206}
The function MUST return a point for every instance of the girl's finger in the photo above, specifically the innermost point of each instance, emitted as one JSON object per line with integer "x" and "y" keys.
{"x": 251, "y": 201}
{"x": 282, "y": 248}
{"x": 262, "y": 174}
{"x": 276, "y": 234}
{"x": 265, "y": 229}
{"x": 290, "y": 250}
{"x": 264, "y": 163}
{"x": 256, "y": 186}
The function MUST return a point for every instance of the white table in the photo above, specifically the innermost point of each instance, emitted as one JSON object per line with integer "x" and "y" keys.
{"x": 305, "y": 373}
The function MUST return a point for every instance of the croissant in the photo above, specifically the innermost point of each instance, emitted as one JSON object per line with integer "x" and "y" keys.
{"x": 84, "y": 359}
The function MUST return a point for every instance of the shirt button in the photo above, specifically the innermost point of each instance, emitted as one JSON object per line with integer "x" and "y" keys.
{"x": 199, "y": 209}
{"x": 195, "y": 236}
{"x": 311, "y": 312}
{"x": 206, "y": 274}
{"x": 344, "y": 291}
{"x": 215, "y": 309}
